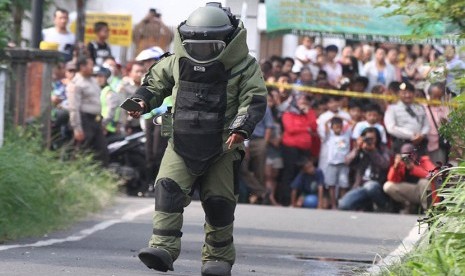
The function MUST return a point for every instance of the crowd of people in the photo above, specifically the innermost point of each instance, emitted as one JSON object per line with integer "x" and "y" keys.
{"x": 89, "y": 86}
{"x": 311, "y": 150}
{"x": 322, "y": 150}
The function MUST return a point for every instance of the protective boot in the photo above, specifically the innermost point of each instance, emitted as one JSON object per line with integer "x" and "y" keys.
{"x": 216, "y": 268}
{"x": 156, "y": 258}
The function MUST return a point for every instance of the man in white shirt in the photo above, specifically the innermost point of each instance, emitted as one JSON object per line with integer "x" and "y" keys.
{"x": 304, "y": 54}
{"x": 406, "y": 121}
{"x": 59, "y": 33}
{"x": 333, "y": 69}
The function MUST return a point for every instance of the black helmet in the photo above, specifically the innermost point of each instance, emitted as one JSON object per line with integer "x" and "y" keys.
{"x": 207, "y": 31}
{"x": 212, "y": 22}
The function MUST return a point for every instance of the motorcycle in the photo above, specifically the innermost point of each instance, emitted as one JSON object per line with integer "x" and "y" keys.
{"x": 127, "y": 160}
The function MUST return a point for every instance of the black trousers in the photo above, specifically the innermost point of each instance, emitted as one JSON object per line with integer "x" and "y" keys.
{"x": 94, "y": 138}
{"x": 291, "y": 159}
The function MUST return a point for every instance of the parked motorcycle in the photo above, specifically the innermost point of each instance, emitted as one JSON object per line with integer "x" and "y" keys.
{"x": 127, "y": 159}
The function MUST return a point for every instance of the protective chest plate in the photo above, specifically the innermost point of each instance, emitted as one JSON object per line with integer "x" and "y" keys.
{"x": 199, "y": 113}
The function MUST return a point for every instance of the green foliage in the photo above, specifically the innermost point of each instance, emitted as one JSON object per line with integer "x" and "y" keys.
{"x": 425, "y": 15}
{"x": 12, "y": 15}
{"x": 39, "y": 193}
{"x": 442, "y": 250}
{"x": 5, "y": 22}
{"x": 454, "y": 130}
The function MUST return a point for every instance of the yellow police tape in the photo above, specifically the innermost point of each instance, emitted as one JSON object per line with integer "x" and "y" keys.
{"x": 389, "y": 98}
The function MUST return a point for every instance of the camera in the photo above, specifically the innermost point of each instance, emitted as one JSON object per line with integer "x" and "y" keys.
{"x": 406, "y": 156}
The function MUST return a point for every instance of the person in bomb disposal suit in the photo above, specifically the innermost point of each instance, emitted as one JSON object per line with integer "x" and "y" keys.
{"x": 219, "y": 96}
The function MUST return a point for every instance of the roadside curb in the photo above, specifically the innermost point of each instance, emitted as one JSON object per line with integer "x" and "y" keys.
{"x": 381, "y": 264}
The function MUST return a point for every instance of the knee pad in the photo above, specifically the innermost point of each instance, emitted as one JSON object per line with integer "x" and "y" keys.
{"x": 169, "y": 197}
{"x": 219, "y": 211}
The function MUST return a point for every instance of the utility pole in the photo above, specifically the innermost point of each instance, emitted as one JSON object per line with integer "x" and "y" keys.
{"x": 80, "y": 25}
{"x": 37, "y": 15}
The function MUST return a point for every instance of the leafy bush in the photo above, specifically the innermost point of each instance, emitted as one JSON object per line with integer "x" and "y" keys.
{"x": 39, "y": 193}
{"x": 454, "y": 130}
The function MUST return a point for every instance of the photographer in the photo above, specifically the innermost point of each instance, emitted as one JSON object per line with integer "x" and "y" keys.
{"x": 370, "y": 160}
{"x": 407, "y": 177}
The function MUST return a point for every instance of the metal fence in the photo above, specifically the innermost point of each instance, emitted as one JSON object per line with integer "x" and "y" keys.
{"x": 26, "y": 98}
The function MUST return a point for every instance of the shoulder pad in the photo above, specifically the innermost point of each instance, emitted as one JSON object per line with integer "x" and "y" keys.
{"x": 242, "y": 66}
{"x": 165, "y": 55}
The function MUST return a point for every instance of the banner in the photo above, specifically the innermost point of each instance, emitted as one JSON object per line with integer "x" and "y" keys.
{"x": 348, "y": 19}
{"x": 120, "y": 27}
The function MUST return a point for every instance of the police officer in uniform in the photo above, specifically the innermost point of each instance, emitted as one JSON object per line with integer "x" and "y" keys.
{"x": 83, "y": 93}
{"x": 219, "y": 95}
{"x": 110, "y": 101}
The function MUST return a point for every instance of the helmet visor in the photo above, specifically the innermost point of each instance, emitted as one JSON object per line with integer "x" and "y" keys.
{"x": 203, "y": 50}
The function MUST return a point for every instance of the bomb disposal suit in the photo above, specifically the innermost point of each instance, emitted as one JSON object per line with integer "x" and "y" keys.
{"x": 218, "y": 91}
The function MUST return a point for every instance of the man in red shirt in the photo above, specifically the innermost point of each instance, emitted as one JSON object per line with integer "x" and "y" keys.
{"x": 407, "y": 177}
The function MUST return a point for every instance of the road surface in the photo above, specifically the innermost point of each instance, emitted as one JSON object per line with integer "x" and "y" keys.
{"x": 269, "y": 241}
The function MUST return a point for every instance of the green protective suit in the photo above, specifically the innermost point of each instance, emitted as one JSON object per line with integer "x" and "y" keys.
{"x": 232, "y": 98}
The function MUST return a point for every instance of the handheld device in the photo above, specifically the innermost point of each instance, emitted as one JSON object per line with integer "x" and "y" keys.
{"x": 131, "y": 105}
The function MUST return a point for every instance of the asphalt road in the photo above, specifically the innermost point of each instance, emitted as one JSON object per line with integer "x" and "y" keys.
{"x": 269, "y": 241}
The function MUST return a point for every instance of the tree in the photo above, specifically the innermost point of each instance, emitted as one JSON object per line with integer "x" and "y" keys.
{"x": 17, "y": 9}
{"x": 425, "y": 15}
{"x": 12, "y": 14}
{"x": 4, "y": 24}
{"x": 11, "y": 17}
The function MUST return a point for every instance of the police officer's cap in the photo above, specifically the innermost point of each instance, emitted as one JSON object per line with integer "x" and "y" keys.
{"x": 102, "y": 71}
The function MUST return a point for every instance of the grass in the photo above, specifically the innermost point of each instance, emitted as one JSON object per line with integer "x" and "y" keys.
{"x": 442, "y": 250}
{"x": 39, "y": 193}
